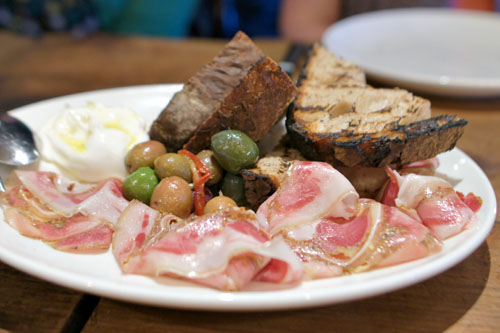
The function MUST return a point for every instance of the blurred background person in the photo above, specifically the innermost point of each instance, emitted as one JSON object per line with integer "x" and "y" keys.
{"x": 301, "y": 21}
{"x": 32, "y": 17}
{"x": 223, "y": 18}
{"x": 168, "y": 18}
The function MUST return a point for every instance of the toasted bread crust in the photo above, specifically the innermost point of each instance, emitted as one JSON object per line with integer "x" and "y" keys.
{"x": 204, "y": 92}
{"x": 396, "y": 145}
{"x": 253, "y": 107}
{"x": 263, "y": 180}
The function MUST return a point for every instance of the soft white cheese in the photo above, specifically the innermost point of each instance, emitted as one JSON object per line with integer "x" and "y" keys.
{"x": 90, "y": 143}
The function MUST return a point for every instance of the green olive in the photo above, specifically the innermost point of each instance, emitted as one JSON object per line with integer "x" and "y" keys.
{"x": 140, "y": 185}
{"x": 234, "y": 150}
{"x": 233, "y": 186}
{"x": 173, "y": 196}
{"x": 172, "y": 164}
{"x": 143, "y": 155}
{"x": 216, "y": 172}
{"x": 218, "y": 203}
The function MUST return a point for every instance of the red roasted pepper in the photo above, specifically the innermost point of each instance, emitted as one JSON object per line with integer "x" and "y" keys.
{"x": 203, "y": 175}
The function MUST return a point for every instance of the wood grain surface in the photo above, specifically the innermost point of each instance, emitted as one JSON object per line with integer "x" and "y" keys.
{"x": 27, "y": 303}
{"x": 465, "y": 298}
{"x": 58, "y": 64}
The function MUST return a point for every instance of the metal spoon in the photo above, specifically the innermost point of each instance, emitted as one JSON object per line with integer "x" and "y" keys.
{"x": 17, "y": 145}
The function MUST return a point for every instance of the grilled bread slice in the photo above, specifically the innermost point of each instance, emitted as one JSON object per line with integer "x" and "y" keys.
{"x": 239, "y": 89}
{"x": 342, "y": 121}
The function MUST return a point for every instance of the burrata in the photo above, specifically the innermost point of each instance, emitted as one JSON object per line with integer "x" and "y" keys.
{"x": 89, "y": 143}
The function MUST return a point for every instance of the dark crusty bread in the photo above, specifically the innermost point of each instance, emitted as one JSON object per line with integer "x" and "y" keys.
{"x": 340, "y": 120}
{"x": 239, "y": 89}
{"x": 204, "y": 92}
{"x": 253, "y": 107}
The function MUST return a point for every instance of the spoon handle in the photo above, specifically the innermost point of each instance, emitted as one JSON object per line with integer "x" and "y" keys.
{"x": 2, "y": 187}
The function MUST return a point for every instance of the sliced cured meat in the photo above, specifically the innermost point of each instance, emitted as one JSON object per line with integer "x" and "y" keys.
{"x": 104, "y": 201}
{"x": 471, "y": 200}
{"x": 224, "y": 250}
{"x": 68, "y": 216}
{"x": 311, "y": 190}
{"x": 97, "y": 239}
{"x": 425, "y": 167}
{"x": 377, "y": 236}
{"x": 284, "y": 266}
{"x": 398, "y": 238}
{"x": 136, "y": 228}
{"x": 78, "y": 234}
{"x": 53, "y": 229}
{"x": 434, "y": 200}
{"x": 319, "y": 215}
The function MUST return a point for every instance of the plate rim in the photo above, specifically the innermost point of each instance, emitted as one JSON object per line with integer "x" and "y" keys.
{"x": 432, "y": 84}
{"x": 214, "y": 300}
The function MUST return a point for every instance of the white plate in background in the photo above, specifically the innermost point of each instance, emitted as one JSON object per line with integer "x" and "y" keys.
{"x": 99, "y": 274}
{"x": 437, "y": 51}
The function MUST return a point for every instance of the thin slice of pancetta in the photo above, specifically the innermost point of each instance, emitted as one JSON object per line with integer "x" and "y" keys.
{"x": 104, "y": 200}
{"x": 377, "y": 236}
{"x": 433, "y": 199}
{"x": 224, "y": 250}
{"x": 68, "y": 216}
{"x": 311, "y": 190}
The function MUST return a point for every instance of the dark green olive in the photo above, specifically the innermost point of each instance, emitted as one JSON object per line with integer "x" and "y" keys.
{"x": 143, "y": 155}
{"x": 234, "y": 150}
{"x": 216, "y": 172}
{"x": 233, "y": 186}
{"x": 140, "y": 185}
{"x": 172, "y": 164}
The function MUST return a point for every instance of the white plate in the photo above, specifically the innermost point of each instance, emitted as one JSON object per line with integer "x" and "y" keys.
{"x": 100, "y": 274}
{"x": 437, "y": 51}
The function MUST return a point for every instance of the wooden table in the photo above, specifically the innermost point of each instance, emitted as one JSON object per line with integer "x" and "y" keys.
{"x": 464, "y": 298}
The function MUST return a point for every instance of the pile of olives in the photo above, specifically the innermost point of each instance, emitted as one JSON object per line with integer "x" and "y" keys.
{"x": 165, "y": 180}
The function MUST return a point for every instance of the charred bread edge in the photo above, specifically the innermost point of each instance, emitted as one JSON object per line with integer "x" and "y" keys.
{"x": 370, "y": 151}
{"x": 258, "y": 187}
{"x": 302, "y": 74}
